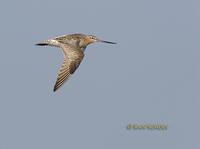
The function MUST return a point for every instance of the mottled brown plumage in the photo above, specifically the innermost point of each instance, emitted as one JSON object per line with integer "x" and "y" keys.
{"x": 73, "y": 47}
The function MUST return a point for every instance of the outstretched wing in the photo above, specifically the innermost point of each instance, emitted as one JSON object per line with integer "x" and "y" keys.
{"x": 72, "y": 59}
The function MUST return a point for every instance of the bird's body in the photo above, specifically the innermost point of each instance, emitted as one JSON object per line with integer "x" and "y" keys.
{"x": 73, "y": 47}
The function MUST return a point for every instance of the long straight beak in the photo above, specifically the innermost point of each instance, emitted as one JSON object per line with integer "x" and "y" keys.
{"x": 99, "y": 40}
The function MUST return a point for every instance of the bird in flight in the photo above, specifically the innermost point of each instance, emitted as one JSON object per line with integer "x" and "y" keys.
{"x": 73, "y": 47}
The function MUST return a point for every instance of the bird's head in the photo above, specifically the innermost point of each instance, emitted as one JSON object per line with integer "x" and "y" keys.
{"x": 92, "y": 39}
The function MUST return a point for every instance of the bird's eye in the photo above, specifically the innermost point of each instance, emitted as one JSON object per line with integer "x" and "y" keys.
{"x": 92, "y": 37}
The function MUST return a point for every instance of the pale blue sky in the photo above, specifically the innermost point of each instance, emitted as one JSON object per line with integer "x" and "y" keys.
{"x": 151, "y": 76}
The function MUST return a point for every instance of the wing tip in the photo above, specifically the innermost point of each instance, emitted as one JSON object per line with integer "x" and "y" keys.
{"x": 41, "y": 44}
{"x": 55, "y": 88}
